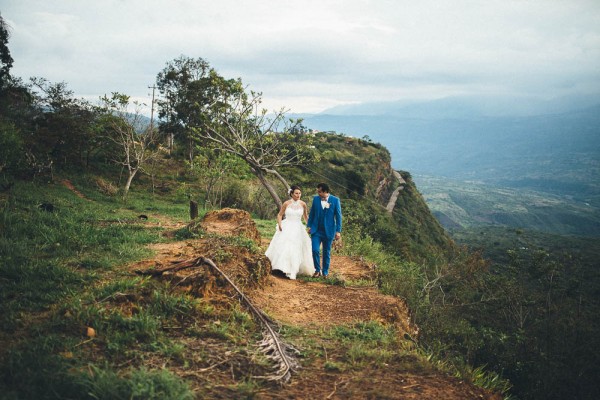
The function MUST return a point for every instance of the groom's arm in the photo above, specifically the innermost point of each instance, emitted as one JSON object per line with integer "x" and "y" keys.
{"x": 338, "y": 217}
{"x": 311, "y": 215}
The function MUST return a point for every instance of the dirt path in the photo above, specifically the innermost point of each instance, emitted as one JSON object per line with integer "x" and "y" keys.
{"x": 319, "y": 304}
{"x": 67, "y": 183}
{"x": 296, "y": 302}
{"x": 392, "y": 203}
{"x": 301, "y": 303}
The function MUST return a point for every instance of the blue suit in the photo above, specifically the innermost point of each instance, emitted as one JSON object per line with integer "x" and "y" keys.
{"x": 324, "y": 223}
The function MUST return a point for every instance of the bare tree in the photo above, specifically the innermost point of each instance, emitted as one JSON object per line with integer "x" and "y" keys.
{"x": 128, "y": 131}
{"x": 266, "y": 142}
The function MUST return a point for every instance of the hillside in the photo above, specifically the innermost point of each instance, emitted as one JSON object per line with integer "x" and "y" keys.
{"x": 360, "y": 171}
{"x": 85, "y": 314}
{"x": 319, "y": 319}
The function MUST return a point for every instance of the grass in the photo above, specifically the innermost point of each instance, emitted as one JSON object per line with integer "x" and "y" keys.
{"x": 53, "y": 274}
{"x": 135, "y": 384}
{"x": 372, "y": 344}
{"x": 60, "y": 276}
{"x": 266, "y": 227}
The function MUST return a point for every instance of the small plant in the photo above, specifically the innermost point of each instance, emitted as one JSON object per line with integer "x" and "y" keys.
{"x": 138, "y": 384}
{"x": 486, "y": 379}
{"x": 247, "y": 389}
{"x": 221, "y": 255}
{"x": 188, "y": 233}
{"x": 219, "y": 329}
{"x": 242, "y": 319}
{"x": 170, "y": 349}
{"x": 333, "y": 366}
{"x": 204, "y": 308}
{"x": 368, "y": 332}
{"x": 360, "y": 354}
{"x": 165, "y": 304}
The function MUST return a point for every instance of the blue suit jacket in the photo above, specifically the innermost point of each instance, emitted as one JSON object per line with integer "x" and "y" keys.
{"x": 332, "y": 216}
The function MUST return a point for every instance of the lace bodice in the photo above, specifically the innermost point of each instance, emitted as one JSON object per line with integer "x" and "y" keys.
{"x": 294, "y": 211}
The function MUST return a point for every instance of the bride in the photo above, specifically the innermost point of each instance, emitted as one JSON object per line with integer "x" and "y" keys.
{"x": 290, "y": 249}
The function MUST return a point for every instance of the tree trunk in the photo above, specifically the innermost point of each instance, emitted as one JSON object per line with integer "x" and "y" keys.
{"x": 193, "y": 210}
{"x": 128, "y": 183}
{"x": 261, "y": 176}
{"x": 191, "y": 150}
{"x": 281, "y": 178}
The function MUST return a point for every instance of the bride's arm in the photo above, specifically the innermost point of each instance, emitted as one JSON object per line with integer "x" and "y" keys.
{"x": 281, "y": 213}
{"x": 305, "y": 212}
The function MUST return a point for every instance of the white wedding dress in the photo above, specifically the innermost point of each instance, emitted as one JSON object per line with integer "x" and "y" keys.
{"x": 290, "y": 250}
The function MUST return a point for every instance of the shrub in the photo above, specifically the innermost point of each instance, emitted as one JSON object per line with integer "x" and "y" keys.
{"x": 106, "y": 187}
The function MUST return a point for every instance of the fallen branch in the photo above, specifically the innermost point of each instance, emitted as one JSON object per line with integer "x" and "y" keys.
{"x": 335, "y": 387}
{"x": 271, "y": 345}
{"x": 178, "y": 266}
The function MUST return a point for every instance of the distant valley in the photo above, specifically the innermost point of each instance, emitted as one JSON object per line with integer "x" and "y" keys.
{"x": 469, "y": 205}
{"x": 496, "y": 165}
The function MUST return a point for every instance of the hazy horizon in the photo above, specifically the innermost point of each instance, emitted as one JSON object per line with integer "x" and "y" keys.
{"x": 313, "y": 55}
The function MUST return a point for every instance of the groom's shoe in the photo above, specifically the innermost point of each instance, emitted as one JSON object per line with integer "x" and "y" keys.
{"x": 316, "y": 274}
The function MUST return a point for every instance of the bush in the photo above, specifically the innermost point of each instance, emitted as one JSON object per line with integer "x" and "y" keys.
{"x": 106, "y": 187}
{"x": 11, "y": 145}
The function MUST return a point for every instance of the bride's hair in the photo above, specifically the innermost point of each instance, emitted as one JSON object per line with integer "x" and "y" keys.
{"x": 292, "y": 189}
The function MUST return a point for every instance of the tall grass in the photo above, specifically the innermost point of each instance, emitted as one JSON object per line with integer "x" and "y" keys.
{"x": 52, "y": 265}
{"x": 408, "y": 280}
{"x": 137, "y": 384}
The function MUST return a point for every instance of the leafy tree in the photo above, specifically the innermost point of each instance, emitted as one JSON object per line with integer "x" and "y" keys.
{"x": 11, "y": 144}
{"x": 211, "y": 167}
{"x": 6, "y": 60}
{"x": 14, "y": 95}
{"x": 64, "y": 132}
{"x": 185, "y": 88}
{"x": 202, "y": 106}
{"x": 15, "y": 102}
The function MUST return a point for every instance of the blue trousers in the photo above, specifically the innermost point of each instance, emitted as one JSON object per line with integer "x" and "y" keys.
{"x": 319, "y": 238}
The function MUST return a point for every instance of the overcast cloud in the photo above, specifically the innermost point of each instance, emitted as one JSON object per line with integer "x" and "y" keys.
{"x": 308, "y": 55}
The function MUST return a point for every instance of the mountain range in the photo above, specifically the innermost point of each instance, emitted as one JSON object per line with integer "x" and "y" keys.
{"x": 550, "y": 146}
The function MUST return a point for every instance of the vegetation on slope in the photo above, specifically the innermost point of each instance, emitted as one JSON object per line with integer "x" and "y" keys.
{"x": 78, "y": 324}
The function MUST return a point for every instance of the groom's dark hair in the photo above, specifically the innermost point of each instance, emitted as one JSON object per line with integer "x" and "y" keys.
{"x": 324, "y": 187}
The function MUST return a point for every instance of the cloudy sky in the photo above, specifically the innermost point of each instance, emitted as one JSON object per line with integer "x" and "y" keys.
{"x": 309, "y": 55}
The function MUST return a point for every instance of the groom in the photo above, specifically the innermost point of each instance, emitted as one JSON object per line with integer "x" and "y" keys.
{"x": 325, "y": 226}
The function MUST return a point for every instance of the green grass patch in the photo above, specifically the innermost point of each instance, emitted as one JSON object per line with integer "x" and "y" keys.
{"x": 266, "y": 227}
{"x": 142, "y": 384}
{"x": 52, "y": 260}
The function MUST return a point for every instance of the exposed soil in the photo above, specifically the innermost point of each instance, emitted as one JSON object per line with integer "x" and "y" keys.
{"x": 67, "y": 183}
{"x": 315, "y": 304}
{"x": 296, "y": 302}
